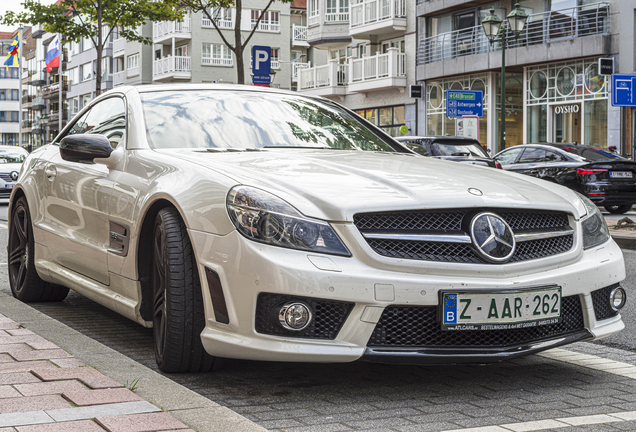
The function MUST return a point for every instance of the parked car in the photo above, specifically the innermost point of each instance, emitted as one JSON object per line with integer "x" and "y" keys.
{"x": 457, "y": 149}
{"x": 11, "y": 159}
{"x": 607, "y": 179}
{"x": 261, "y": 224}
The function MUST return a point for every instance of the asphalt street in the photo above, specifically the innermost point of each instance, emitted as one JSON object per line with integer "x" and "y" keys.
{"x": 364, "y": 397}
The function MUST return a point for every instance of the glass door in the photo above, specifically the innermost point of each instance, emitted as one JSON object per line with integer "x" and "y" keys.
{"x": 567, "y": 126}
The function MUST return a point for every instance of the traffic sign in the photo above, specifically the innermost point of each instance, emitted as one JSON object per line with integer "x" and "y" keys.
{"x": 261, "y": 60}
{"x": 263, "y": 80}
{"x": 624, "y": 90}
{"x": 461, "y": 103}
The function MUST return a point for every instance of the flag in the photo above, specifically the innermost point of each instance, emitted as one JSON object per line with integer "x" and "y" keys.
{"x": 53, "y": 54}
{"x": 13, "y": 58}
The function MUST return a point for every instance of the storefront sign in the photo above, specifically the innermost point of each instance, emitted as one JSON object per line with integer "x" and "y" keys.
{"x": 461, "y": 103}
{"x": 467, "y": 127}
{"x": 566, "y": 109}
{"x": 605, "y": 66}
{"x": 415, "y": 91}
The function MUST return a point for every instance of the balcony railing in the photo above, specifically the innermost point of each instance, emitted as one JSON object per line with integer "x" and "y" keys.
{"x": 133, "y": 71}
{"x": 119, "y": 78}
{"x": 53, "y": 89}
{"x": 541, "y": 28}
{"x": 329, "y": 75}
{"x": 168, "y": 65}
{"x": 266, "y": 26}
{"x": 119, "y": 45}
{"x": 217, "y": 61}
{"x": 296, "y": 68}
{"x": 299, "y": 33}
{"x": 391, "y": 64}
{"x": 275, "y": 64}
{"x": 371, "y": 11}
{"x": 337, "y": 17}
{"x": 221, "y": 23}
{"x": 313, "y": 20}
{"x": 38, "y": 103}
{"x": 164, "y": 28}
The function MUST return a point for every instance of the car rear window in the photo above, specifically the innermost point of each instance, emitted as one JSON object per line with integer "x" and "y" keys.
{"x": 592, "y": 153}
{"x": 458, "y": 148}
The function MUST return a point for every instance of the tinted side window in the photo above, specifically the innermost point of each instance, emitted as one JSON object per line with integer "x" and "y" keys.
{"x": 508, "y": 157}
{"x": 80, "y": 125}
{"x": 108, "y": 118}
{"x": 417, "y": 147}
{"x": 532, "y": 155}
{"x": 553, "y": 157}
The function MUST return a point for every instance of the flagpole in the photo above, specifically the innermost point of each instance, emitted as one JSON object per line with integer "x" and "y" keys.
{"x": 20, "y": 86}
{"x": 59, "y": 76}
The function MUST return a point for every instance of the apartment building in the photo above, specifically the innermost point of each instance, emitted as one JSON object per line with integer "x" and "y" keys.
{"x": 554, "y": 91}
{"x": 9, "y": 95}
{"x": 191, "y": 51}
{"x": 370, "y": 64}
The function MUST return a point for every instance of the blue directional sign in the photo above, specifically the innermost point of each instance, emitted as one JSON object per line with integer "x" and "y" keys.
{"x": 461, "y": 103}
{"x": 624, "y": 90}
{"x": 261, "y": 64}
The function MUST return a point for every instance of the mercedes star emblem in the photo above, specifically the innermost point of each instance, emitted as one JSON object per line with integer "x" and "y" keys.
{"x": 14, "y": 175}
{"x": 492, "y": 237}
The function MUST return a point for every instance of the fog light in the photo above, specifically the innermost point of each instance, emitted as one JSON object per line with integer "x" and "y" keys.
{"x": 294, "y": 316}
{"x": 618, "y": 297}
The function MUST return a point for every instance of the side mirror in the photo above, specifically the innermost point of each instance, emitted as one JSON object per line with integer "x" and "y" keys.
{"x": 84, "y": 148}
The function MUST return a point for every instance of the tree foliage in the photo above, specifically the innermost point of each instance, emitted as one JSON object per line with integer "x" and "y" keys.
{"x": 95, "y": 20}
{"x": 211, "y": 10}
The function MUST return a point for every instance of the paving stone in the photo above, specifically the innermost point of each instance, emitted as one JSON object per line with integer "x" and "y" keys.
{"x": 40, "y": 354}
{"x": 89, "y": 412}
{"x": 8, "y": 392}
{"x": 9, "y": 325}
{"x": 24, "y": 418}
{"x": 76, "y": 426}
{"x": 6, "y": 358}
{"x": 68, "y": 362}
{"x": 25, "y": 366}
{"x": 18, "y": 378}
{"x": 53, "y": 387}
{"x": 140, "y": 422}
{"x": 9, "y": 429}
{"x": 32, "y": 403}
{"x": 100, "y": 382}
{"x": 49, "y": 374}
{"x": 102, "y": 396}
{"x": 332, "y": 427}
{"x": 19, "y": 332}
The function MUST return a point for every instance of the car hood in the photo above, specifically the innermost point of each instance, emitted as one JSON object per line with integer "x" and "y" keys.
{"x": 336, "y": 184}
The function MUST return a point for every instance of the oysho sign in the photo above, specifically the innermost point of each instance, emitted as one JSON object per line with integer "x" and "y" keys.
{"x": 566, "y": 109}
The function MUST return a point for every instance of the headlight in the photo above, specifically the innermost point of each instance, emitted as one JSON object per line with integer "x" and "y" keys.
{"x": 595, "y": 230}
{"x": 265, "y": 218}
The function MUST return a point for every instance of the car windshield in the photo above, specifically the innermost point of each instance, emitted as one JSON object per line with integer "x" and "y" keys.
{"x": 458, "y": 149}
{"x": 9, "y": 156}
{"x": 250, "y": 120}
{"x": 592, "y": 153}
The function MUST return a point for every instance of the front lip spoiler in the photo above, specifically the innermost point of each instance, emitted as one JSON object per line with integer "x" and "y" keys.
{"x": 445, "y": 356}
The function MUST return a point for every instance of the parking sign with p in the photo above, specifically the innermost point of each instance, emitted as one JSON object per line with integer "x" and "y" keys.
{"x": 261, "y": 64}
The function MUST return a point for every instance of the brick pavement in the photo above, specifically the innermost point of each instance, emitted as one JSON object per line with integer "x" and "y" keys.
{"x": 38, "y": 394}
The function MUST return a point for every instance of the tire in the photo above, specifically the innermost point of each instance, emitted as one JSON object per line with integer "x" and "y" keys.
{"x": 25, "y": 282}
{"x": 178, "y": 315}
{"x": 619, "y": 209}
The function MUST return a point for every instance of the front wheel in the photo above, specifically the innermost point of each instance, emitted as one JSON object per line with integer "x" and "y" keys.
{"x": 618, "y": 209}
{"x": 25, "y": 282}
{"x": 178, "y": 316}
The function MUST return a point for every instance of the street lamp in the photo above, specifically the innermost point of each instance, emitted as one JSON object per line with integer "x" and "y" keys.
{"x": 492, "y": 25}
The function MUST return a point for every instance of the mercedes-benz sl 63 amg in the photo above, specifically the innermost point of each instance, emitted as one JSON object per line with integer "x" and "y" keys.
{"x": 260, "y": 224}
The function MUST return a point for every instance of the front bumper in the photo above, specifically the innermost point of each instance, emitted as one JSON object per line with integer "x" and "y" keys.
{"x": 247, "y": 269}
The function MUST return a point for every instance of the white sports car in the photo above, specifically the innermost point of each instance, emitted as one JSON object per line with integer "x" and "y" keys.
{"x": 259, "y": 224}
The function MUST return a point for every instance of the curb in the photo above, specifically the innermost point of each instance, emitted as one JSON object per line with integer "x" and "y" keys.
{"x": 194, "y": 410}
{"x": 625, "y": 242}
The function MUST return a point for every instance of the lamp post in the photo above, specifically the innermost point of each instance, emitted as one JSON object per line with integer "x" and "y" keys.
{"x": 492, "y": 25}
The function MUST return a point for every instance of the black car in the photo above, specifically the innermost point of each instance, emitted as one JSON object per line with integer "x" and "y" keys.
{"x": 607, "y": 179}
{"x": 458, "y": 149}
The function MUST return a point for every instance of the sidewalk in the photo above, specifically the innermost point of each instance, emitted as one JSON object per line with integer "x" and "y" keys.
{"x": 45, "y": 388}
{"x": 625, "y": 239}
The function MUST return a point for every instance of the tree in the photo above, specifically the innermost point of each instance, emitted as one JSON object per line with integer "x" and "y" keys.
{"x": 212, "y": 8}
{"x": 95, "y": 19}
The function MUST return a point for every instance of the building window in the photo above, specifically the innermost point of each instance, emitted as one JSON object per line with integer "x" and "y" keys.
{"x": 86, "y": 99}
{"x": 10, "y": 73}
{"x": 8, "y": 116}
{"x": 9, "y": 95}
{"x": 216, "y": 55}
{"x": 222, "y": 16}
{"x": 73, "y": 107}
{"x": 313, "y": 12}
{"x": 269, "y": 23}
{"x": 132, "y": 63}
{"x": 86, "y": 71}
{"x": 87, "y": 43}
{"x": 337, "y": 10}
{"x": 388, "y": 118}
{"x": 274, "y": 59}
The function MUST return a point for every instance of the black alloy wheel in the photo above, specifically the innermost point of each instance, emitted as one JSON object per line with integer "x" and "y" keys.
{"x": 178, "y": 315}
{"x": 25, "y": 282}
{"x": 618, "y": 209}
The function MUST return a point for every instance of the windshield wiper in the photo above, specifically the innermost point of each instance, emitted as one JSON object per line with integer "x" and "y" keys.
{"x": 302, "y": 147}
{"x": 461, "y": 154}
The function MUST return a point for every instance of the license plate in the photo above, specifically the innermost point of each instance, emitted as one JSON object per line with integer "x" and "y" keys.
{"x": 501, "y": 310}
{"x": 8, "y": 186}
{"x": 620, "y": 174}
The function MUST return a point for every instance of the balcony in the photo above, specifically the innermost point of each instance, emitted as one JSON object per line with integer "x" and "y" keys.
{"x": 337, "y": 17}
{"x": 377, "y": 17}
{"x": 119, "y": 78}
{"x": 378, "y": 72}
{"x": 217, "y": 61}
{"x": 328, "y": 80}
{"x": 54, "y": 117}
{"x": 38, "y": 78}
{"x": 299, "y": 35}
{"x": 172, "y": 68}
{"x": 313, "y": 20}
{"x": 132, "y": 72}
{"x": 541, "y": 33}
{"x": 296, "y": 68}
{"x": 118, "y": 47}
{"x": 38, "y": 103}
{"x": 221, "y": 23}
{"x": 52, "y": 90}
{"x": 266, "y": 26}
{"x": 164, "y": 31}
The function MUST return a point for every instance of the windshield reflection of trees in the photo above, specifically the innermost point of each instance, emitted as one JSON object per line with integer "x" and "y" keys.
{"x": 226, "y": 119}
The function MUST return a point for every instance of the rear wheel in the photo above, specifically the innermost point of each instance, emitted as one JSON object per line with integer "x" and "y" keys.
{"x": 618, "y": 209}
{"x": 25, "y": 282}
{"x": 178, "y": 316}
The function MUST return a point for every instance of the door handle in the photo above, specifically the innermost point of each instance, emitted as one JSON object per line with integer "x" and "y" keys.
{"x": 50, "y": 172}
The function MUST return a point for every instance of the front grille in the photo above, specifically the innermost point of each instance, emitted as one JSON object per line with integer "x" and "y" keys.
{"x": 6, "y": 177}
{"x": 329, "y": 316}
{"x": 417, "y": 326}
{"x": 601, "y": 302}
{"x": 452, "y": 222}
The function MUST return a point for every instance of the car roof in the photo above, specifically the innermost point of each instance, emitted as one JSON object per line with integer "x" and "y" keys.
{"x": 10, "y": 147}
{"x": 438, "y": 138}
{"x": 149, "y": 88}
